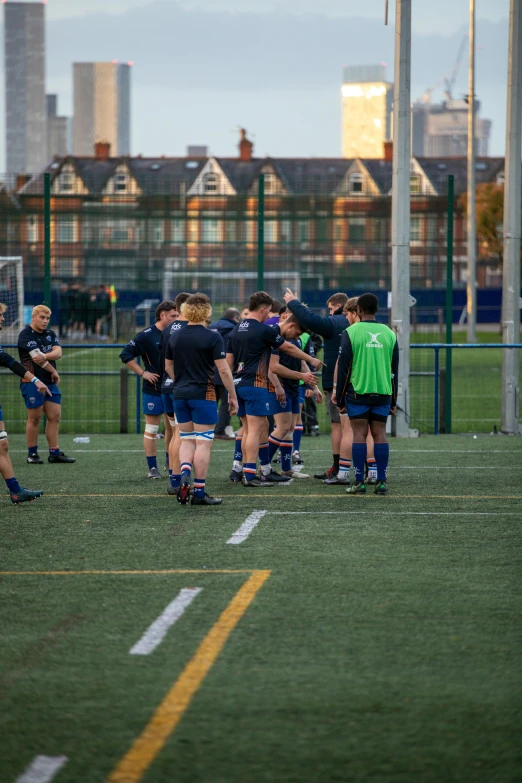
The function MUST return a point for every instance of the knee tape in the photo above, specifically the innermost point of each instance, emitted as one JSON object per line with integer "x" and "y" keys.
{"x": 207, "y": 436}
{"x": 187, "y": 435}
{"x": 151, "y": 430}
{"x": 3, "y": 435}
{"x": 173, "y": 422}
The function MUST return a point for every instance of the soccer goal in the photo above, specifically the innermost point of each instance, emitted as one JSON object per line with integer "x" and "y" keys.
{"x": 12, "y": 291}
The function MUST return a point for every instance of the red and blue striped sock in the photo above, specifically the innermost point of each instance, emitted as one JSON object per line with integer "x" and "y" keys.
{"x": 286, "y": 455}
{"x": 273, "y": 444}
{"x": 199, "y": 488}
{"x": 344, "y": 467}
{"x": 264, "y": 457}
{"x": 296, "y": 438}
{"x": 186, "y": 467}
{"x": 249, "y": 470}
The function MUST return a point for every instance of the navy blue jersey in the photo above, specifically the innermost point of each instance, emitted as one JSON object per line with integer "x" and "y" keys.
{"x": 30, "y": 340}
{"x": 146, "y": 345}
{"x": 166, "y": 380}
{"x": 6, "y": 360}
{"x": 251, "y": 343}
{"x": 194, "y": 350}
{"x": 290, "y": 385}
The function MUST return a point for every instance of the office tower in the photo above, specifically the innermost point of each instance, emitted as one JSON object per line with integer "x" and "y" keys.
{"x": 441, "y": 130}
{"x": 102, "y": 107}
{"x": 25, "y": 111}
{"x": 57, "y": 130}
{"x": 367, "y": 100}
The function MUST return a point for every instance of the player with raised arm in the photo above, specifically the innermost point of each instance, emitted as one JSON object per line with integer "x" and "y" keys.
{"x": 18, "y": 494}
{"x": 193, "y": 353}
{"x": 39, "y": 349}
{"x": 366, "y": 387}
{"x": 249, "y": 349}
{"x": 146, "y": 345}
{"x": 288, "y": 372}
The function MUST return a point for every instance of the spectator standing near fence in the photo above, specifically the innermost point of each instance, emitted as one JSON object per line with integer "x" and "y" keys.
{"x": 224, "y": 326}
{"x": 103, "y": 311}
{"x": 39, "y": 350}
{"x": 64, "y": 303}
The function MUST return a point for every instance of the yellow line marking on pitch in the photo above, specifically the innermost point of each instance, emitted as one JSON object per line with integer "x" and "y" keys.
{"x": 146, "y": 747}
{"x": 126, "y": 573}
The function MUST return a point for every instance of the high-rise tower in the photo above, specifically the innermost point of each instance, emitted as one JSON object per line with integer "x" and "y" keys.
{"x": 101, "y": 107}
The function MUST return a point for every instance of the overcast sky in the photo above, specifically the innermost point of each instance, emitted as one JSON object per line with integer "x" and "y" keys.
{"x": 203, "y": 68}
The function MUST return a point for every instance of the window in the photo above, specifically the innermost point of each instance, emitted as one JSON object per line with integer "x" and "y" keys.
{"x": 415, "y": 229}
{"x": 210, "y": 182}
{"x": 178, "y": 232}
{"x": 357, "y": 228}
{"x": 338, "y": 230}
{"x": 270, "y": 183}
{"x": 286, "y": 231}
{"x": 157, "y": 232}
{"x": 67, "y": 229}
{"x": 210, "y": 231}
{"x": 303, "y": 231}
{"x": 120, "y": 182}
{"x": 66, "y": 182}
{"x": 415, "y": 184}
{"x": 321, "y": 230}
{"x": 270, "y": 231}
{"x": 230, "y": 231}
{"x": 65, "y": 267}
{"x": 32, "y": 229}
{"x": 356, "y": 183}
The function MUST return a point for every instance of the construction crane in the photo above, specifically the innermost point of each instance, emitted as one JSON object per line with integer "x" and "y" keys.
{"x": 448, "y": 79}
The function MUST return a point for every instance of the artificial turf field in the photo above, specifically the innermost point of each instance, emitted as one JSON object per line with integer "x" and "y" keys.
{"x": 380, "y": 641}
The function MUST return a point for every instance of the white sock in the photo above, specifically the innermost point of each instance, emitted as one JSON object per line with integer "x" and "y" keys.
{"x": 265, "y": 469}
{"x": 237, "y": 466}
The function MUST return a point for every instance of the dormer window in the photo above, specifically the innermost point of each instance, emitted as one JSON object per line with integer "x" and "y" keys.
{"x": 210, "y": 182}
{"x": 66, "y": 182}
{"x": 120, "y": 182}
{"x": 356, "y": 183}
{"x": 415, "y": 184}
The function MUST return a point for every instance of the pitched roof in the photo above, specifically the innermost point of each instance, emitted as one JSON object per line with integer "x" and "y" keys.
{"x": 438, "y": 169}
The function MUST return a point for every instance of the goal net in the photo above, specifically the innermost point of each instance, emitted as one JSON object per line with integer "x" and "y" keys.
{"x": 12, "y": 294}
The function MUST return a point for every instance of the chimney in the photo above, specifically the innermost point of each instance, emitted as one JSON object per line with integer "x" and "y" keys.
{"x": 102, "y": 150}
{"x": 388, "y": 151}
{"x": 245, "y": 146}
{"x": 21, "y": 180}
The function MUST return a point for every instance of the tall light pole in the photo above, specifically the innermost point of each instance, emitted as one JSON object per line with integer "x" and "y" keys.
{"x": 511, "y": 270}
{"x": 471, "y": 299}
{"x": 400, "y": 227}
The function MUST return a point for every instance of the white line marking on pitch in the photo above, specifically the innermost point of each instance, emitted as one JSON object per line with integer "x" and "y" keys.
{"x": 42, "y": 770}
{"x": 156, "y": 632}
{"x": 401, "y": 513}
{"x": 246, "y": 528}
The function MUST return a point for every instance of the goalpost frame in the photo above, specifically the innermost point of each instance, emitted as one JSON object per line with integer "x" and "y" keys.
{"x": 19, "y": 267}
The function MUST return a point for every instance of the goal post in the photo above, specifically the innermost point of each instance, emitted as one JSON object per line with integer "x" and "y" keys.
{"x": 12, "y": 290}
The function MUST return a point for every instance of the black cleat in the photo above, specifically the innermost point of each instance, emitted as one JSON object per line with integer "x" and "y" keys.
{"x": 25, "y": 495}
{"x": 328, "y": 474}
{"x": 337, "y": 480}
{"x": 381, "y": 488}
{"x": 236, "y": 476}
{"x": 296, "y": 458}
{"x": 359, "y": 488}
{"x": 35, "y": 459}
{"x": 207, "y": 500}
{"x": 257, "y": 481}
{"x": 172, "y": 490}
{"x": 184, "y": 491}
{"x": 275, "y": 477}
{"x": 60, "y": 458}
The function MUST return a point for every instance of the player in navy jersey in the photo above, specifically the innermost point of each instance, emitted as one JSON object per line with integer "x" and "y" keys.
{"x": 289, "y": 372}
{"x": 193, "y": 353}
{"x": 18, "y": 494}
{"x": 146, "y": 345}
{"x": 39, "y": 349}
{"x": 248, "y": 354}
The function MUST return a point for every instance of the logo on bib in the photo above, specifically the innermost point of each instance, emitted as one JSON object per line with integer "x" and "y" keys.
{"x": 374, "y": 342}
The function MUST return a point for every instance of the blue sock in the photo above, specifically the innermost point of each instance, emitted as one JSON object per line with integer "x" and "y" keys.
{"x": 382, "y": 456}
{"x": 264, "y": 454}
{"x": 186, "y": 467}
{"x": 273, "y": 445}
{"x": 32, "y": 450}
{"x": 199, "y": 488}
{"x": 286, "y": 455}
{"x": 238, "y": 452}
{"x": 175, "y": 480}
{"x": 249, "y": 470}
{"x": 152, "y": 462}
{"x": 359, "y": 452}
{"x": 298, "y": 434}
{"x": 13, "y": 486}
{"x": 54, "y": 452}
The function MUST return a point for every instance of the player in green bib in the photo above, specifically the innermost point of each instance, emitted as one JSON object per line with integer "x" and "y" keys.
{"x": 366, "y": 389}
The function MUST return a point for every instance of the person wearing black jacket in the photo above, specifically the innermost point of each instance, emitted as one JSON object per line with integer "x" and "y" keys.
{"x": 330, "y": 328}
{"x": 224, "y": 326}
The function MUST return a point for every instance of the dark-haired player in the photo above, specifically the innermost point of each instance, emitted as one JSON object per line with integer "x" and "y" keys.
{"x": 146, "y": 345}
{"x": 366, "y": 388}
{"x": 193, "y": 353}
{"x": 18, "y": 494}
{"x": 248, "y": 354}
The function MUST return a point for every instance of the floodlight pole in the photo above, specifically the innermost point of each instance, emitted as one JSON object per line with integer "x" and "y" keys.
{"x": 400, "y": 227}
{"x": 471, "y": 285}
{"x": 512, "y": 204}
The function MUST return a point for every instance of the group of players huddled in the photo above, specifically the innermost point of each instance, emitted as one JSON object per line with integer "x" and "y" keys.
{"x": 265, "y": 371}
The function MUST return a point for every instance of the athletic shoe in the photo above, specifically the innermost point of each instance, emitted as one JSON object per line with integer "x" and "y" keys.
{"x": 258, "y": 481}
{"x": 35, "y": 459}
{"x": 337, "y": 480}
{"x": 236, "y": 476}
{"x": 381, "y": 488}
{"x": 154, "y": 474}
{"x": 314, "y": 431}
{"x": 184, "y": 490}
{"x": 224, "y": 436}
{"x": 275, "y": 477}
{"x": 328, "y": 474}
{"x": 294, "y": 474}
{"x": 230, "y": 431}
{"x": 25, "y": 495}
{"x": 172, "y": 490}
{"x": 296, "y": 458}
{"x": 207, "y": 500}
{"x": 60, "y": 458}
{"x": 359, "y": 488}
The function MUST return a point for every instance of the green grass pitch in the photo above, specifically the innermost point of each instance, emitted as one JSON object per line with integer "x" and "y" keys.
{"x": 386, "y": 644}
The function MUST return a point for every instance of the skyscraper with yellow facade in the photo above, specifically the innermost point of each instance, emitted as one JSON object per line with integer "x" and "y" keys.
{"x": 367, "y": 100}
